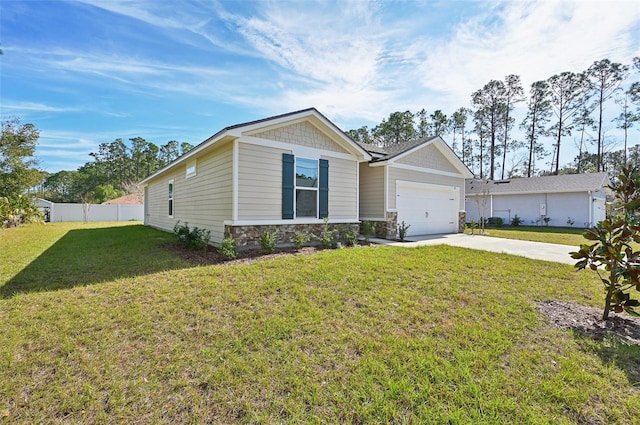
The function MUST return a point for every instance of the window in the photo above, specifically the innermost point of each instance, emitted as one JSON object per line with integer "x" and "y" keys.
{"x": 171, "y": 198}
{"x": 306, "y": 187}
{"x": 191, "y": 169}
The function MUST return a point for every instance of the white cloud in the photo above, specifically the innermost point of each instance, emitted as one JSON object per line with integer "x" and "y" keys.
{"x": 531, "y": 39}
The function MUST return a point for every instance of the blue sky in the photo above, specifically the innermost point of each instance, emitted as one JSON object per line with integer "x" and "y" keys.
{"x": 90, "y": 71}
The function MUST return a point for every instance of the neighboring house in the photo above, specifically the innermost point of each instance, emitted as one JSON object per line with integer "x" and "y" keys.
{"x": 287, "y": 173}
{"x": 566, "y": 200}
{"x": 131, "y": 199}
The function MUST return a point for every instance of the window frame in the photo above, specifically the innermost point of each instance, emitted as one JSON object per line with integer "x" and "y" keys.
{"x": 315, "y": 189}
{"x": 171, "y": 195}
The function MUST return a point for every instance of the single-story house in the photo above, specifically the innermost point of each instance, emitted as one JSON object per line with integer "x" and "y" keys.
{"x": 287, "y": 173}
{"x": 565, "y": 200}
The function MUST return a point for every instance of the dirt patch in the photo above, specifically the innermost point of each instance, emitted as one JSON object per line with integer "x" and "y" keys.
{"x": 588, "y": 321}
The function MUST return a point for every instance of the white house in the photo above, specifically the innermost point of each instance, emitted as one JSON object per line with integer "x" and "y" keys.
{"x": 567, "y": 200}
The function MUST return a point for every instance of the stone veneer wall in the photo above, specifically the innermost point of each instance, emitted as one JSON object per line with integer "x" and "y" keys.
{"x": 385, "y": 229}
{"x": 462, "y": 219}
{"x": 249, "y": 236}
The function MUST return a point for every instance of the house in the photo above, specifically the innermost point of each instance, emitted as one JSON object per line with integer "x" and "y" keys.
{"x": 286, "y": 173}
{"x": 566, "y": 200}
{"x": 130, "y": 199}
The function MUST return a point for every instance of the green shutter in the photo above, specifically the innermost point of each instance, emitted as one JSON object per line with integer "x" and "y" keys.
{"x": 324, "y": 188}
{"x": 287, "y": 186}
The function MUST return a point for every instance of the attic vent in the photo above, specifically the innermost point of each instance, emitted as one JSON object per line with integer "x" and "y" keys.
{"x": 501, "y": 181}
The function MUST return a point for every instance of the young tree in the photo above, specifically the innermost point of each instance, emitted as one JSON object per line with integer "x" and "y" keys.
{"x": 458, "y": 125}
{"x": 534, "y": 124}
{"x": 584, "y": 122}
{"x": 604, "y": 78}
{"x": 611, "y": 250}
{"x": 512, "y": 94}
{"x": 567, "y": 97}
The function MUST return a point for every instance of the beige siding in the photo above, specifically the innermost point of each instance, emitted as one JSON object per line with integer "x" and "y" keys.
{"x": 259, "y": 182}
{"x": 371, "y": 191}
{"x": 343, "y": 188}
{"x": 303, "y": 134}
{"x": 416, "y": 176}
{"x": 428, "y": 157}
{"x": 203, "y": 200}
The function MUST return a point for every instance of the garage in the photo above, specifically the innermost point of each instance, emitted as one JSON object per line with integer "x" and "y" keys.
{"x": 427, "y": 208}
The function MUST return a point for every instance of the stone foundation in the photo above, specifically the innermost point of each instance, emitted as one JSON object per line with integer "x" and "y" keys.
{"x": 249, "y": 236}
{"x": 462, "y": 219}
{"x": 385, "y": 229}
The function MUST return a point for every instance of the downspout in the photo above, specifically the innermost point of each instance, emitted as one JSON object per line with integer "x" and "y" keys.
{"x": 491, "y": 205}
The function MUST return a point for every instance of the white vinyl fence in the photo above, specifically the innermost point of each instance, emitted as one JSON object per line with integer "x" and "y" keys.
{"x": 96, "y": 212}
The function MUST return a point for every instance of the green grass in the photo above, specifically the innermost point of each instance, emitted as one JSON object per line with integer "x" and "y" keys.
{"x": 558, "y": 235}
{"x": 364, "y": 335}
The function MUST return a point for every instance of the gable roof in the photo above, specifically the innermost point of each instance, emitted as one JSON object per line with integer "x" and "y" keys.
{"x": 237, "y": 130}
{"x": 543, "y": 184}
{"x": 392, "y": 153}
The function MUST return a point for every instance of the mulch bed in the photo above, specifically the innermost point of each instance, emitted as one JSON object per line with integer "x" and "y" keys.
{"x": 245, "y": 256}
{"x": 588, "y": 321}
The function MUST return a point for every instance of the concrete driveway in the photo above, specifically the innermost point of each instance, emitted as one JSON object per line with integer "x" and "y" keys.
{"x": 528, "y": 249}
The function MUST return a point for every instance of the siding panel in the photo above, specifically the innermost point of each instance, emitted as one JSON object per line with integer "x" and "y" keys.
{"x": 203, "y": 200}
{"x": 371, "y": 191}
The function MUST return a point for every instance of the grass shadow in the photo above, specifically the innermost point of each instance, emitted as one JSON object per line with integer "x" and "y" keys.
{"x": 89, "y": 256}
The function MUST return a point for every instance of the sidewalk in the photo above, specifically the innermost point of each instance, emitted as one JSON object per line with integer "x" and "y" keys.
{"x": 528, "y": 249}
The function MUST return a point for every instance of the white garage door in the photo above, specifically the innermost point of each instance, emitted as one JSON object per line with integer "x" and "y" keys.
{"x": 429, "y": 209}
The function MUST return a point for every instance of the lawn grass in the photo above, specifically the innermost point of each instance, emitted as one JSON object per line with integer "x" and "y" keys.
{"x": 558, "y": 235}
{"x": 363, "y": 335}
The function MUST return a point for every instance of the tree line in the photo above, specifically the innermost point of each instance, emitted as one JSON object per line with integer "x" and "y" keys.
{"x": 565, "y": 104}
{"x": 115, "y": 170}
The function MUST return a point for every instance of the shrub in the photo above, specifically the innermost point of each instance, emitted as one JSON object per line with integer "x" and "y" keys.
{"x": 267, "y": 242}
{"x": 368, "y": 229}
{"x": 498, "y": 221}
{"x": 546, "y": 220}
{"x": 227, "y": 249}
{"x": 326, "y": 237}
{"x": 300, "y": 238}
{"x": 570, "y": 222}
{"x": 403, "y": 228}
{"x": 196, "y": 238}
{"x": 610, "y": 248}
{"x": 18, "y": 210}
{"x": 349, "y": 237}
{"x": 516, "y": 221}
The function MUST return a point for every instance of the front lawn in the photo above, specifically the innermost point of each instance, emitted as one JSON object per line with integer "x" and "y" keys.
{"x": 362, "y": 335}
{"x": 558, "y": 235}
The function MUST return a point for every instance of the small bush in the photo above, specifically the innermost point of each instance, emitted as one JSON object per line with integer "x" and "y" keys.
{"x": 403, "y": 228}
{"x": 498, "y": 221}
{"x": 326, "y": 237}
{"x": 196, "y": 238}
{"x": 546, "y": 220}
{"x": 570, "y": 222}
{"x": 516, "y": 221}
{"x": 228, "y": 249}
{"x": 368, "y": 229}
{"x": 300, "y": 239}
{"x": 349, "y": 236}
{"x": 267, "y": 242}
